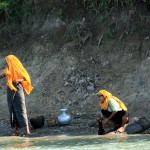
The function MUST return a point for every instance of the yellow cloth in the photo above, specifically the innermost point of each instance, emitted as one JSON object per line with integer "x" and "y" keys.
{"x": 15, "y": 70}
{"x": 107, "y": 95}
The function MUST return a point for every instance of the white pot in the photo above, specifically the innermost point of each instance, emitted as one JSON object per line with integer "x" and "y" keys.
{"x": 64, "y": 118}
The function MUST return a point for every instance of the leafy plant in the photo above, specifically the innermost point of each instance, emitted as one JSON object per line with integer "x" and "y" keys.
{"x": 109, "y": 33}
{"x": 130, "y": 2}
{"x": 3, "y": 5}
{"x": 59, "y": 13}
{"x": 15, "y": 9}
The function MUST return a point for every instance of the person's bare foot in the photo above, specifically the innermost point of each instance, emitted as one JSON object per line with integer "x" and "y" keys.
{"x": 15, "y": 133}
{"x": 28, "y": 133}
{"x": 27, "y": 130}
{"x": 121, "y": 129}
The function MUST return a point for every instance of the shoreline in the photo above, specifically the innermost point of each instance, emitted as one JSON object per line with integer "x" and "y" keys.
{"x": 78, "y": 127}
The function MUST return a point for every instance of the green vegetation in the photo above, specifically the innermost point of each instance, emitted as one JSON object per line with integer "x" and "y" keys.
{"x": 21, "y": 9}
{"x": 109, "y": 33}
{"x": 65, "y": 7}
{"x": 59, "y": 13}
{"x": 95, "y": 5}
{"x": 15, "y": 9}
{"x": 16, "y": 13}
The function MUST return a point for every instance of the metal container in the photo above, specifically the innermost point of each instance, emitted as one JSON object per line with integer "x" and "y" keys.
{"x": 64, "y": 118}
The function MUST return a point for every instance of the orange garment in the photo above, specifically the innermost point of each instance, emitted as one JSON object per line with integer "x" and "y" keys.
{"x": 15, "y": 70}
{"x": 107, "y": 95}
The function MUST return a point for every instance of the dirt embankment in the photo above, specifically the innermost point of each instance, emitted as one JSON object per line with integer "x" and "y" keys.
{"x": 70, "y": 59}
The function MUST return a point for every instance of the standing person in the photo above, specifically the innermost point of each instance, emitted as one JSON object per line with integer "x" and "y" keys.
{"x": 112, "y": 109}
{"x": 17, "y": 79}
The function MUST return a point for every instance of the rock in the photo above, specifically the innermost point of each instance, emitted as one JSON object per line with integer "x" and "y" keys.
{"x": 66, "y": 83}
{"x": 85, "y": 95}
{"x": 82, "y": 81}
{"x": 90, "y": 87}
{"x": 134, "y": 129}
{"x": 144, "y": 122}
{"x": 137, "y": 125}
{"x": 134, "y": 120}
{"x": 51, "y": 122}
{"x": 72, "y": 79}
{"x": 105, "y": 63}
{"x": 147, "y": 38}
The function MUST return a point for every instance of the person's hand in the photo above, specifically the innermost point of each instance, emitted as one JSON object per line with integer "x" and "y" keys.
{"x": 18, "y": 80}
{"x": 105, "y": 121}
{"x": 98, "y": 119}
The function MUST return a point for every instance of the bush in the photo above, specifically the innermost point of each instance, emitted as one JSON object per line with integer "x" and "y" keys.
{"x": 21, "y": 9}
{"x": 15, "y": 9}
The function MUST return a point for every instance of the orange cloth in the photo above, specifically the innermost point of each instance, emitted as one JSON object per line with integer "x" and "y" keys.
{"x": 107, "y": 95}
{"x": 15, "y": 70}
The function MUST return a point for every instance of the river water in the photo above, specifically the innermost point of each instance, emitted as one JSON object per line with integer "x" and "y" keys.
{"x": 64, "y": 142}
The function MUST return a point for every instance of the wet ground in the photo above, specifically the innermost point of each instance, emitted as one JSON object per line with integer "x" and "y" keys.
{"x": 79, "y": 126}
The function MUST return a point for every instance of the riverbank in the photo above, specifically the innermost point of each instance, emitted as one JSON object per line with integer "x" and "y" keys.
{"x": 73, "y": 49}
{"x": 78, "y": 126}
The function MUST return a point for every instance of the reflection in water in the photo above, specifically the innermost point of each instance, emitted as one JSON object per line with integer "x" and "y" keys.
{"x": 22, "y": 145}
{"x": 107, "y": 142}
{"x": 114, "y": 135}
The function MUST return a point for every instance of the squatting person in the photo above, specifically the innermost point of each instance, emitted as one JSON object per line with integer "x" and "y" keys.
{"x": 112, "y": 110}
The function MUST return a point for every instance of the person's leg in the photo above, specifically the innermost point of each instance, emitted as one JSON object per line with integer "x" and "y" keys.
{"x": 13, "y": 121}
{"x": 116, "y": 126}
{"x": 16, "y": 131}
{"x": 27, "y": 130}
{"x": 123, "y": 125}
{"x": 20, "y": 109}
{"x": 120, "y": 120}
{"x": 113, "y": 120}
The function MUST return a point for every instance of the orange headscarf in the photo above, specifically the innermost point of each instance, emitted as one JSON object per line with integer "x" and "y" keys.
{"x": 107, "y": 95}
{"x": 15, "y": 70}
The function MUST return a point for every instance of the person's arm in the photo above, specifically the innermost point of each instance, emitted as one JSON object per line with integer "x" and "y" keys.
{"x": 112, "y": 115}
{"x": 105, "y": 121}
{"x": 114, "y": 107}
{"x": 100, "y": 116}
{"x": 19, "y": 80}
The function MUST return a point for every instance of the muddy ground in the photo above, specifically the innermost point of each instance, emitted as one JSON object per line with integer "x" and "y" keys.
{"x": 67, "y": 72}
{"x": 79, "y": 126}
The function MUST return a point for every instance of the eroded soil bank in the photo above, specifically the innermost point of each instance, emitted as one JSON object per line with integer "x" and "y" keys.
{"x": 70, "y": 59}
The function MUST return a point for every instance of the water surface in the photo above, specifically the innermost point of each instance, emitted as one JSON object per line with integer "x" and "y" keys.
{"x": 64, "y": 142}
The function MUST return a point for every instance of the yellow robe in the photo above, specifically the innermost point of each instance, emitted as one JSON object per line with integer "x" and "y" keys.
{"x": 107, "y": 95}
{"x": 15, "y": 70}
